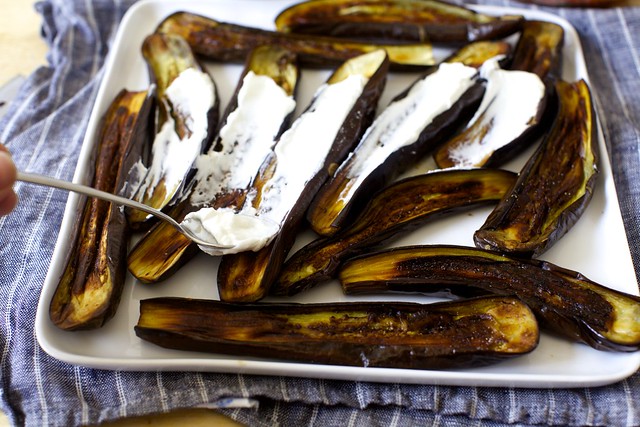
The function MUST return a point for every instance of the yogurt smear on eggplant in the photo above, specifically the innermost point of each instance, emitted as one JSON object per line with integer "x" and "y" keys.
{"x": 173, "y": 155}
{"x": 511, "y": 107}
{"x": 298, "y": 155}
{"x": 245, "y": 140}
{"x": 403, "y": 120}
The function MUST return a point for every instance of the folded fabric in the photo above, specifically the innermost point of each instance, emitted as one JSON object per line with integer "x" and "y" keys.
{"x": 44, "y": 129}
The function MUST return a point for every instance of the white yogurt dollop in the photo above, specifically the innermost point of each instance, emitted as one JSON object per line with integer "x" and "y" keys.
{"x": 242, "y": 231}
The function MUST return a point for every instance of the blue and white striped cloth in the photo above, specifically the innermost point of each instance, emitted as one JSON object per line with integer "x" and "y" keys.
{"x": 44, "y": 129}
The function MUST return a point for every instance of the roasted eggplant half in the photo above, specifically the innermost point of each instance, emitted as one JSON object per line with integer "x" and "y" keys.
{"x": 395, "y": 20}
{"x": 223, "y": 174}
{"x": 539, "y": 49}
{"x": 477, "y": 53}
{"x": 509, "y": 119}
{"x": 411, "y": 125}
{"x": 564, "y": 301}
{"x": 452, "y": 334}
{"x": 227, "y": 42}
{"x": 339, "y": 113}
{"x": 89, "y": 290}
{"x": 399, "y": 208}
{"x": 556, "y": 184}
{"x": 185, "y": 124}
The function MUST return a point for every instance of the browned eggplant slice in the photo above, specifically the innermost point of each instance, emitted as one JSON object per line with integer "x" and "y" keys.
{"x": 412, "y": 124}
{"x": 451, "y": 334}
{"x": 554, "y": 187}
{"x": 230, "y": 42}
{"x": 564, "y": 301}
{"x": 504, "y": 124}
{"x": 477, "y": 53}
{"x": 162, "y": 250}
{"x": 90, "y": 287}
{"x": 303, "y": 157}
{"x": 186, "y": 124}
{"x": 227, "y": 169}
{"x": 395, "y": 20}
{"x": 539, "y": 49}
{"x": 399, "y": 208}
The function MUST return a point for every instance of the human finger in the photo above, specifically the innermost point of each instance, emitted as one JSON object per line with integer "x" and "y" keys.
{"x": 8, "y": 201}
{"x": 8, "y": 172}
{"x": 8, "y": 169}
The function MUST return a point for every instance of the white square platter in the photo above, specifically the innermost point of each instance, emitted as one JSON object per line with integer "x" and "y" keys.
{"x": 593, "y": 247}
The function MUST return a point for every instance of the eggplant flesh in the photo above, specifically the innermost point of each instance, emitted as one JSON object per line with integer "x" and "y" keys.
{"x": 556, "y": 184}
{"x": 454, "y": 334}
{"x": 411, "y": 125}
{"x": 504, "y": 124}
{"x": 227, "y": 42}
{"x": 163, "y": 250}
{"x": 395, "y": 20}
{"x": 475, "y": 54}
{"x": 184, "y": 129}
{"x": 302, "y": 161}
{"x": 539, "y": 49}
{"x": 564, "y": 301}
{"x": 399, "y": 208}
{"x": 89, "y": 289}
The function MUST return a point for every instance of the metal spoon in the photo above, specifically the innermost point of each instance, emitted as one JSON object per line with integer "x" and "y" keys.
{"x": 92, "y": 192}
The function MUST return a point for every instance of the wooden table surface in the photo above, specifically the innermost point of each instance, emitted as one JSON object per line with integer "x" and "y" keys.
{"x": 22, "y": 50}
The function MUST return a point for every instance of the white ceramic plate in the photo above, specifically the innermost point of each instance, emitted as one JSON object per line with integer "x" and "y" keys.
{"x": 592, "y": 247}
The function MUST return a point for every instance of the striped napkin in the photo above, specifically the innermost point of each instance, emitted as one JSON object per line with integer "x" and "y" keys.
{"x": 44, "y": 129}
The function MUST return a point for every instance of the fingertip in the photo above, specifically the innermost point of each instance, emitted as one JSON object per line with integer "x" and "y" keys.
{"x": 8, "y": 202}
{"x": 8, "y": 171}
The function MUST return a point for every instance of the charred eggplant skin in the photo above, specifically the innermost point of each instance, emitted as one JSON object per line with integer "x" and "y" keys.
{"x": 397, "y": 209}
{"x": 231, "y": 43}
{"x": 395, "y": 20}
{"x": 539, "y": 49}
{"x": 163, "y": 250}
{"x": 564, "y": 301}
{"x": 454, "y": 334}
{"x": 556, "y": 184}
{"x": 89, "y": 289}
{"x": 248, "y": 276}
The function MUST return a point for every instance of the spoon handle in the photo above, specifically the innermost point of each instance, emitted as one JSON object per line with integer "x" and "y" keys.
{"x": 48, "y": 181}
{"x": 91, "y": 192}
